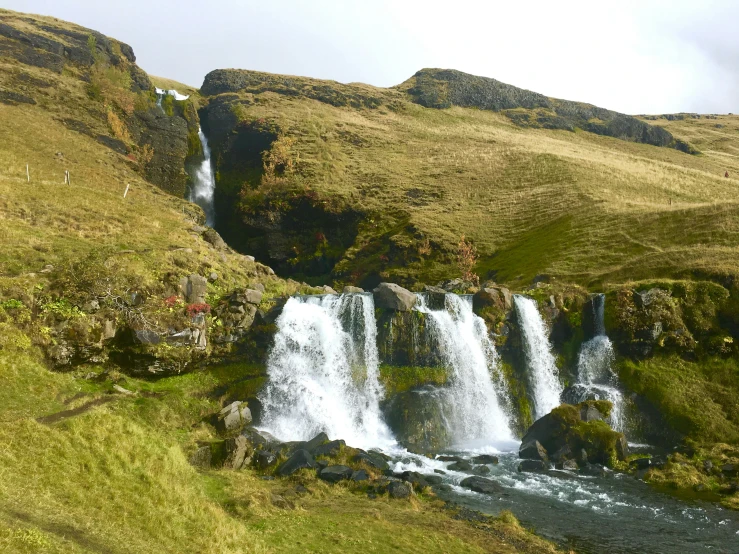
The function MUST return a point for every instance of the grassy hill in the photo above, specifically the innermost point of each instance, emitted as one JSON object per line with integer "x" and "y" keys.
{"x": 409, "y": 181}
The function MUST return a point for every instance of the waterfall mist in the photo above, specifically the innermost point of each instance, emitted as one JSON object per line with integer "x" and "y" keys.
{"x": 324, "y": 372}
{"x": 543, "y": 374}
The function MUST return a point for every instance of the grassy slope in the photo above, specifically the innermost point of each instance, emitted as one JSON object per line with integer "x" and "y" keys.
{"x": 116, "y": 478}
{"x": 580, "y": 206}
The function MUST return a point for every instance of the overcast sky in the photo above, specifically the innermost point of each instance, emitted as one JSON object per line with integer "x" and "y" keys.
{"x": 648, "y": 56}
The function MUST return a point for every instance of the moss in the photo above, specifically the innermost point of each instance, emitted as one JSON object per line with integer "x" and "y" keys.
{"x": 398, "y": 379}
{"x": 518, "y": 397}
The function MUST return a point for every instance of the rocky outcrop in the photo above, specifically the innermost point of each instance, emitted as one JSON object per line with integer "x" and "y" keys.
{"x": 233, "y": 418}
{"x": 569, "y": 430}
{"x": 416, "y": 418}
{"x": 443, "y": 88}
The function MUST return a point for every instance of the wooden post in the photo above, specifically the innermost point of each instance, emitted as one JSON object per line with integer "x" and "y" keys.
{"x": 126, "y": 191}
{"x": 69, "y": 178}
{"x": 28, "y": 174}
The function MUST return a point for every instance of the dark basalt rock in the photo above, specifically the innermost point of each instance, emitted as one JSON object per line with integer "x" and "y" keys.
{"x": 330, "y": 449}
{"x": 397, "y": 489}
{"x": 372, "y": 459}
{"x": 334, "y": 474}
{"x": 485, "y": 459}
{"x": 532, "y": 450}
{"x": 418, "y": 481}
{"x": 445, "y": 458}
{"x": 301, "y": 459}
{"x": 462, "y": 465}
{"x": 359, "y": 475}
{"x": 264, "y": 459}
{"x": 481, "y": 485}
{"x": 433, "y": 479}
{"x": 533, "y": 466}
{"x": 481, "y": 470}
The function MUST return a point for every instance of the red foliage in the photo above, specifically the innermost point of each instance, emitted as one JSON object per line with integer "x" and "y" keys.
{"x": 171, "y": 301}
{"x": 320, "y": 237}
{"x": 131, "y": 157}
{"x": 195, "y": 309}
{"x": 384, "y": 258}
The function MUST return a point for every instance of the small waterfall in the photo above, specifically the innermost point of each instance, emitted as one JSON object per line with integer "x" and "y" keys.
{"x": 476, "y": 389}
{"x": 595, "y": 377}
{"x": 204, "y": 183}
{"x": 542, "y": 369}
{"x": 324, "y": 372}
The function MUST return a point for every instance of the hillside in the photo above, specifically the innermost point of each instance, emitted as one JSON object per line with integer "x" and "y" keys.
{"x": 391, "y": 185}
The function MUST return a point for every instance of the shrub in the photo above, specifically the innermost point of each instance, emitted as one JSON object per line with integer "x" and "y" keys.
{"x": 466, "y": 260}
{"x": 118, "y": 127}
{"x": 196, "y": 309}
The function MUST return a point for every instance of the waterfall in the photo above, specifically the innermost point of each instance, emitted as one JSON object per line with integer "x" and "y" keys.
{"x": 542, "y": 369}
{"x": 476, "y": 391}
{"x": 204, "y": 183}
{"x": 324, "y": 372}
{"x": 595, "y": 377}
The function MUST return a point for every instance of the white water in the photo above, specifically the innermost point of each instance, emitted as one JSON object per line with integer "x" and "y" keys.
{"x": 476, "y": 389}
{"x": 595, "y": 376}
{"x": 204, "y": 183}
{"x": 542, "y": 370}
{"x": 171, "y": 92}
{"x": 323, "y": 372}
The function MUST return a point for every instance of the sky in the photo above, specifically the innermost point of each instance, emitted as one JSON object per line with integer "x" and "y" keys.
{"x": 648, "y": 56}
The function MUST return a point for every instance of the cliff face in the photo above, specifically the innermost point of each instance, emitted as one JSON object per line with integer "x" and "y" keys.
{"x": 118, "y": 108}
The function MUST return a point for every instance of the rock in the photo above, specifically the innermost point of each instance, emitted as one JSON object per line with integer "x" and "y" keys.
{"x": 729, "y": 469}
{"x": 595, "y": 470}
{"x": 622, "y": 448}
{"x": 321, "y": 464}
{"x": 352, "y": 290}
{"x": 359, "y": 475}
{"x": 212, "y": 276}
{"x": 109, "y": 329}
{"x": 481, "y": 485}
{"x": 264, "y": 459}
{"x": 445, "y": 458}
{"x": 641, "y": 463}
{"x": 211, "y": 236}
{"x": 393, "y": 297}
{"x": 485, "y": 459}
{"x": 563, "y": 453}
{"x": 417, "y": 420}
{"x": 233, "y": 418}
{"x": 231, "y": 453}
{"x": 533, "y": 466}
{"x": 570, "y": 465}
{"x": 495, "y": 296}
{"x": 462, "y": 465}
{"x": 455, "y": 285}
{"x": 481, "y": 470}
{"x": 533, "y": 450}
{"x": 590, "y": 413}
{"x": 707, "y": 466}
{"x": 334, "y": 474}
{"x": 440, "y": 471}
{"x": 330, "y": 449}
{"x": 417, "y": 480}
{"x": 299, "y": 460}
{"x": 397, "y": 489}
{"x": 436, "y": 297}
{"x": 145, "y": 336}
{"x": 582, "y": 458}
{"x": 443, "y": 487}
{"x": 194, "y": 288}
{"x": 316, "y": 441}
{"x": 48, "y": 268}
{"x": 201, "y": 458}
{"x": 247, "y": 296}
{"x": 91, "y": 307}
{"x": 120, "y": 389}
{"x": 372, "y": 460}
{"x": 433, "y": 479}
{"x": 328, "y": 290}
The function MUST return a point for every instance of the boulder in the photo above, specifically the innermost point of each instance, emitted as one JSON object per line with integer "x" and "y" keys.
{"x": 352, "y": 290}
{"x": 398, "y": 489}
{"x": 595, "y": 470}
{"x": 641, "y": 463}
{"x": 622, "y": 448}
{"x": 211, "y": 236}
{"x": 481, "y": 470}
{"x": 331, "y": 448}
{"x": 301, "y": 459}
{"x": 588, "y": 412}
{"x": 263, "y": 459}
{"x": 328, "y": 290}
{"x": 393, "y": 297}
{"x": 194, "y": 288}
{"x": 334, "y": 474}
{"x": 485, "y": 459}
{"x": 532, "y": 466}
{"x": 533, "y": 450}
{"x": 231, "y": 453}
{"x": 417, "y": 480}
{"x": 372, "y": 460}
{"x": 146, "y": 336}
{"x": 433, "y": 479}
{"x": 233, "y": 418}
{"x": 481, "y": 485}
{"x": 417, "y": 420}
{"x": 247, "y": 296}
{"x": 359, "y": 475}
{"x": 493, "y": 295}
{"x": 570, "y": 465}
{"x": 462, "y": 465}
{"x": 445, "y": 458}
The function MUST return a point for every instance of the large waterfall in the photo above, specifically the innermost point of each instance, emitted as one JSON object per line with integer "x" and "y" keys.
{"x": 542, "y": 370}
{"x": 324, "y": 372}
{"x": 595, "y": 377}
{"x": 476, "y": 390}
{"x": 204, "y": 183}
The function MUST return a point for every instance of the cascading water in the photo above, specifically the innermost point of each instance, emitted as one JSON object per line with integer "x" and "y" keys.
{"x": 204, "y": 183}
{"x": 542, "y": 369}
{"x": 595, "y": 377}
{"x": 476, "y": 391}
{"x": 324, "y": 372}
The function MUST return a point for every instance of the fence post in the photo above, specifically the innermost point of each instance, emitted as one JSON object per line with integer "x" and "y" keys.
{"x": 28, "y": 174}
{"x": 126, "y": 191}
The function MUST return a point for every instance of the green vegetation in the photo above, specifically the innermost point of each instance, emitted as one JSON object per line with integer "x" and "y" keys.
{"x": 398, "y": 379}
{"x": 698, "y": 399}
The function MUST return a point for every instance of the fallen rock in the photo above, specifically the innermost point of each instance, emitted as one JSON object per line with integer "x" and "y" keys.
{"x": 334, "y": 474}
{"x": 372, "y": 459}
{"x": 211, "y": 236}
{"x": 264, "y": 459}
{"x": 498, "y": 297}
{"x": 233, "y": 418}
{"x": 445, "y": 458}
{"x": 299, "y": 460}
{"x": 331, "y": 448}
{"x": 433, "y": 479}
{"x": 461, "y": 465}
{"x": 352, "y": 290}
{"x": 481, "y": 485}
{"x": 359, "y": 475}
{"x": 145, "y": 336}
{"x": 417, "y": 480}
{"x": 398, "y": 489}
{"x": 393, "y": 297}
{"x": 533, "y": 450}
{"x": 481, "y": 470}
{"x": 194, "y": 288}
{"x": 485, "y": 459}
